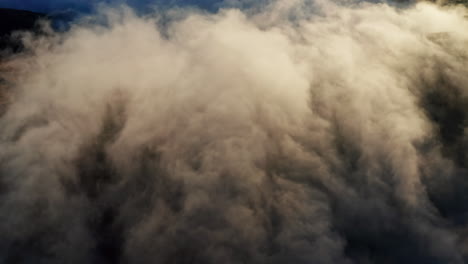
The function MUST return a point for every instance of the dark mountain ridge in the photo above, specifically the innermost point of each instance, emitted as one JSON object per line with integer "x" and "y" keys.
{"x": 12, "y": 20}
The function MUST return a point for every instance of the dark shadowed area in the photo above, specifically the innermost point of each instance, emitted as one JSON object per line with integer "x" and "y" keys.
{"x": 12, "y": 21}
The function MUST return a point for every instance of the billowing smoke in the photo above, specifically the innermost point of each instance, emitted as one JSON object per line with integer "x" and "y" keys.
{"x": 299, "y": 132}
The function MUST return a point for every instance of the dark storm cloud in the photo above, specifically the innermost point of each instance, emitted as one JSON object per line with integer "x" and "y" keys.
{"x": 278, "y": 135}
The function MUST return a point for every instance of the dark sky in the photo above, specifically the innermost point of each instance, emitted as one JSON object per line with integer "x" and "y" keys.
{"x": 86, "y": 5}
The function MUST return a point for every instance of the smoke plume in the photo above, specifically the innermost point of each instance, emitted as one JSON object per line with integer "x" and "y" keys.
{"x": 286, "y": 132}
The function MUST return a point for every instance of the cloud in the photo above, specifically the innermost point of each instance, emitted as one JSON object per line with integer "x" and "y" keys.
{"x": 280, "y": 135}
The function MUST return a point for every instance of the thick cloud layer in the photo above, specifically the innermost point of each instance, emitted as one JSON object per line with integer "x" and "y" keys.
{"x": 307, "y": 132}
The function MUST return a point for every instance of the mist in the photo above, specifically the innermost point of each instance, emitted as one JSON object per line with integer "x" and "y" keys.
{"x": 299, "y": 132}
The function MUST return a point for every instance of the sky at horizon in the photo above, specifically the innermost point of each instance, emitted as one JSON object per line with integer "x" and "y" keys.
{"x": 50, "y": 6}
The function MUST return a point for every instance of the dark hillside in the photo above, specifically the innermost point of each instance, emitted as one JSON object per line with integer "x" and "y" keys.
{"x": 13, "y": 20}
